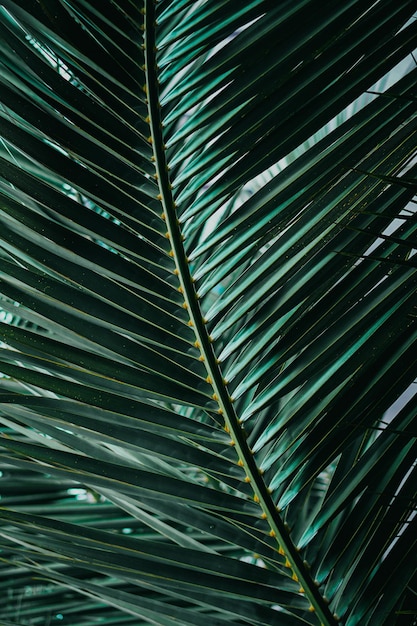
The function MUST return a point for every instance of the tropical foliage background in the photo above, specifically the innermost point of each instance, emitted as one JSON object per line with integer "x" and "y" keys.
{"x": 208, "y": 312}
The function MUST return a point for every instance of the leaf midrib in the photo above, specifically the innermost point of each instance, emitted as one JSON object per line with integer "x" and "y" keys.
{"x": 203, "y": 343}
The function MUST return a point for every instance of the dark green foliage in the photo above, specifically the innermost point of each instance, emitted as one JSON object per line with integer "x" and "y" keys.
{"x": 208, "y": 297}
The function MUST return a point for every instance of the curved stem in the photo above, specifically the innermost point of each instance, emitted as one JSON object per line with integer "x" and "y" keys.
{"x": 286, "y": 547}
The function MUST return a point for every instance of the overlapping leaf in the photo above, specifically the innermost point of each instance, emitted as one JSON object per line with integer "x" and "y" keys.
{"x": 166, "y": 296}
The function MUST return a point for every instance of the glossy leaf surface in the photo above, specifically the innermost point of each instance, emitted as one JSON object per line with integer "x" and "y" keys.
{"x": 208, "y": 312}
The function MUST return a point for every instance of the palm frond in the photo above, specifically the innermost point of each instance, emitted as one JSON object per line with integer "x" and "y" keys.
{"x": 208, "y": 338}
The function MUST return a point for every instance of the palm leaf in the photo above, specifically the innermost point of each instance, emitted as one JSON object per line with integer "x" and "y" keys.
{"x": 208, "y": 312}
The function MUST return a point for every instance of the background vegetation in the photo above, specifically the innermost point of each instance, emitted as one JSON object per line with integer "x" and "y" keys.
{"x": 208, "y": 313}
